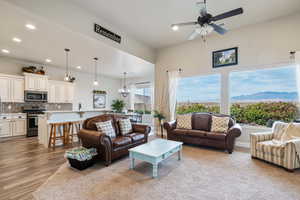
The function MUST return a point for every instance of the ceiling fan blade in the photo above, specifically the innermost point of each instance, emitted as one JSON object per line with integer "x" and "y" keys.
{"x": 193, "y": 35}
{"x": 219, "y": 29}
{"x": 184, "y": 24}
{"x": 228, "y": 14}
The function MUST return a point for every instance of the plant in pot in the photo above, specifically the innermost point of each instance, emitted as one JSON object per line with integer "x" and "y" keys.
{"x": 118, "y": 105}
{"x": 160, "y": 118}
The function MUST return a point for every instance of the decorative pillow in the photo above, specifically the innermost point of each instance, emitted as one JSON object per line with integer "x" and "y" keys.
{"x": 219, "y": 124}
{"x": 106, "y": 128}
{"x": 184, "y": 121}
{"x": 125, "y": 126}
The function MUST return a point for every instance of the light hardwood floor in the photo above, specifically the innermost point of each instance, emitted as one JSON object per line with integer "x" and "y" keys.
{"x": 25, "y": 165}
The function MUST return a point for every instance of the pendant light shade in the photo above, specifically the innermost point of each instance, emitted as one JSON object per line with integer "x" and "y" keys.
{"x": 67, "y": 74}
{"x": 124, "y": 91}
{"x": 96, "y": 66}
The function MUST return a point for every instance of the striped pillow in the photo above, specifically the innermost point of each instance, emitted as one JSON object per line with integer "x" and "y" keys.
{"x": 106, "y": 128}
{"x": 125, "y": 126}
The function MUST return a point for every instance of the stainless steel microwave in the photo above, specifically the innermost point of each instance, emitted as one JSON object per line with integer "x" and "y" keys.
{"x": 35, "y": 96}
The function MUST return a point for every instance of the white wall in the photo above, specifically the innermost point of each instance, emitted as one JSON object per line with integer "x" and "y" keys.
{"x": 83, "y": 84}
{"x": 261, "y": 45}
{"x": 68, "y": 14}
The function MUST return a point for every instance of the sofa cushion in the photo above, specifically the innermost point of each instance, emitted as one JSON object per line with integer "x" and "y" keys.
{"x": 121, "y": 141}
{"x": 219, "y": 124}
{"x": 216, "y": 136}
{"x": 270, "y": 148}
{"x": 196, "y": 133}
{"x": 184, "y": 121}
{"x": 125, "y": 126}
{"x": 136, "y": 136}
{"x": 201, "y": 121}
{"x": 180, "y": 131}
{"x": 106, "y": 128}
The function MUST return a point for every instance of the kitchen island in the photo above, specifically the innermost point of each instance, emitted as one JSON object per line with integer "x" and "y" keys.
{"x": 49, "y": 117}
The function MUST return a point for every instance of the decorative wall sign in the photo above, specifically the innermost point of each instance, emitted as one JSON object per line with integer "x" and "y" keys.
{"x": 107, "y": 33}
{"x": 99, "y": 99}
{"x": 225, "y": 57}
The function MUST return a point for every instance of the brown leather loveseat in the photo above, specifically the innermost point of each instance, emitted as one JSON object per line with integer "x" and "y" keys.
{"x": 200, "y": 132}
{"x": 110, "y": 149}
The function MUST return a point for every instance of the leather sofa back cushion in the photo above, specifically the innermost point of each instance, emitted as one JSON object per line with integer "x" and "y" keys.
{"x": 201, "y": 121}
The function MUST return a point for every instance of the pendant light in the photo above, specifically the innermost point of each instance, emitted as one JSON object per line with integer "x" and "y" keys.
{"x": 96, "y": 78}
{"x": 124, "y": 91}
{"x": 67, "y": 74}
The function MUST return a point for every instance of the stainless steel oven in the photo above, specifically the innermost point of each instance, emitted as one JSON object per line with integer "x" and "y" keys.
{"x": 35, "y": 96}
{"x": 32, "y": 119}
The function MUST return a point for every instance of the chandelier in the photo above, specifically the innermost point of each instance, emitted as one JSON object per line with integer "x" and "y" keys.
{"x": 124, "y": 91}
{"x": 96, "y": 66}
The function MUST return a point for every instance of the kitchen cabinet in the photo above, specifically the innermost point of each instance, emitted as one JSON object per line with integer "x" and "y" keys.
{"x": 60, "y": 92}
{"x": 34, "y": 82}
{"x": 12, "y": 125}
{"x": 12, "y": 88}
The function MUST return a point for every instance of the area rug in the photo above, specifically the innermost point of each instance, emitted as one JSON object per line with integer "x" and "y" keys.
{"x": 202, "y": 174}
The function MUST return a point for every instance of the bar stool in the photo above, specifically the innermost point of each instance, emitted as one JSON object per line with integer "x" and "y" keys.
{"x": 58, "y": 126}
{"x": 75, "y": 127}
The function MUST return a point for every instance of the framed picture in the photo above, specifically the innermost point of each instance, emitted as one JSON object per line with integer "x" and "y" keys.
{"x": 99, "y": 99}
{"x": 225, "y": 57}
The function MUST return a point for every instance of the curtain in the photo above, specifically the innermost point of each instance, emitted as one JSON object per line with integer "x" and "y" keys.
{"x": 173, "y": 79}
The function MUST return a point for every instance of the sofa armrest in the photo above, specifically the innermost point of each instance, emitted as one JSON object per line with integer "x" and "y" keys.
{"x": 140, "y": 128}
{"x": 90, "y": 138}
{"x": 169, "y": 126}
{"x": 235, "y": 131}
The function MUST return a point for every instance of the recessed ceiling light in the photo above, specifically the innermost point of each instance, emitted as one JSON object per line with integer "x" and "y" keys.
{"x": 48, "y": 60}
{"x": 5, "y": 51}
{"x": 18, "y": 40}
{"x": 30, "y": 26}
{"x": 78, "y": 67}
{"x": 174, "y": 27}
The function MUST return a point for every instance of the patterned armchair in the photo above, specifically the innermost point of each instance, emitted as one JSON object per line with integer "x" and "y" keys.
{"x": 263, "y": 148}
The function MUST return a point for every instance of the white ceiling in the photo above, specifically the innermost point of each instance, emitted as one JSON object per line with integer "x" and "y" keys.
{"x": 149, "y": 20}
{"x": 49, "y": 41}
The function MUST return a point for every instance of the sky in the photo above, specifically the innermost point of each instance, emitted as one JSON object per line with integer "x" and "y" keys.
{"x": 207, "y": 88}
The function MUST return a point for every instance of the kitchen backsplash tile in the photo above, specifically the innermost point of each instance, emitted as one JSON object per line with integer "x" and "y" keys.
{"x": 18, "y": 107}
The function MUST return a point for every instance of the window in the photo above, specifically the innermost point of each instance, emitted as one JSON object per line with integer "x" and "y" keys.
{"x": 262, "y": 96}
{"x": 199, "y": 94}
{"x": 142, "y": 100}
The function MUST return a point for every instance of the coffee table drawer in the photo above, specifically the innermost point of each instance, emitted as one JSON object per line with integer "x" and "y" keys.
{"x": 168, "y": 154}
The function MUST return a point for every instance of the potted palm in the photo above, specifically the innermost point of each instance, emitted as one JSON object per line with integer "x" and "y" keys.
{"x": 118, "y": 105}
{"x": 160, "y": 118}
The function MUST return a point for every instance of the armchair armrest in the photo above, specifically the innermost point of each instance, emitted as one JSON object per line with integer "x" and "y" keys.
{"x": 260, "y": 137}
{"x": 169, "y": 126}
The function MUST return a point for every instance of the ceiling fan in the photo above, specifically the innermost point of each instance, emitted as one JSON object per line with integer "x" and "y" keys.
{"x": 205, "y": 22}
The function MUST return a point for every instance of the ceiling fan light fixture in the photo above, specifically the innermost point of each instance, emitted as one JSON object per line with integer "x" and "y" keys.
{"x": 174, "y": 27}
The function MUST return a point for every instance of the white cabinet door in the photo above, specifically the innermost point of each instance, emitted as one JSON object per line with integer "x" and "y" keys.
{"x": 42, "y": 84}
{"x": 17, "y": 90}
{"x": 69, "y": 93}
{"x": 51, "y": 93}
{"x": 59, "y": 93}
{"x": 19, "y": 127}
{"x": 5, "y": 128}
{"x": 30, "y": 83}
{"x": 5, "y": 89}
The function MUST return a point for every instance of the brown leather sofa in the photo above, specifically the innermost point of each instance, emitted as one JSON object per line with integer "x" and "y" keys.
{"x": 200, "y": 132}
{"x": 110, "y": 149}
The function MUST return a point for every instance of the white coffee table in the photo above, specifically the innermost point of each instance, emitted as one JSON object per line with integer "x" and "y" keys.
{"x": 154, "y": 152}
